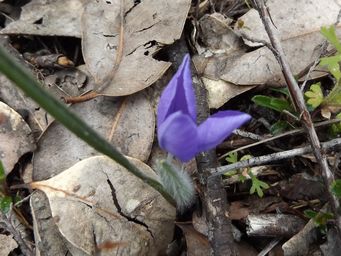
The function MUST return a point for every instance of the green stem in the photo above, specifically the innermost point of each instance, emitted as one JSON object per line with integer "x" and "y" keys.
{"x": 25, "y": 81}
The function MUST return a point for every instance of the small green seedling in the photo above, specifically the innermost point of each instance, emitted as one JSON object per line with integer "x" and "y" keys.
{"x": 314, "y": 95}
{"x": 257, "y": 185}
{"x": 335, "y": 129}
{"x": 273, "y": 103}
{"x": 336, "y": 188}
{"x": 320, "y": 218}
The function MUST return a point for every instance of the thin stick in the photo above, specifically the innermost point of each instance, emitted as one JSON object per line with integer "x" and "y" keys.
{"x": 259, "y": 160}
{"x": 299, "y": 103}
{"x": 293, "y": 132}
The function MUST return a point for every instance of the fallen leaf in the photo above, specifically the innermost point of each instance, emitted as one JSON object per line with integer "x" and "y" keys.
{"x": 217, "y": 35}
{"x": 48, "y": 18}
{"x": 16, "y": 138}
{"x": 290, "y": 18}
{"x": 197, "y": 243}
{"x": 97, "y": 200}
{"x": 122, "y": 61}
{"x": 220, "y": 92}
{"x": 128, "y": 123}
{"x": 7, "y": 244}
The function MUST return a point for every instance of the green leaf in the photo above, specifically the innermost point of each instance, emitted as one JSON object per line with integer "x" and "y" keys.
{"x": 279, "y": 127}
{"x": 177, "y": 183}
{"x": 245, "y": 157}
{"x": 335, "y": 129}
{"x": 272, "y": 103}
{"x": 26, "y": 82}
{"x": 257, "y": 185}
{"x": 314, "y": 95}
{"x": 310, "y": 213}
{"x": 332, "y": 64}
{"x": 232, "y": 157}
{"x": 330, "y": 35}
{"x": 336, "y": 187}
{"x": 5, "y": 204}
{"x": 283, "y": 90}
{"x": 320, "y": 218}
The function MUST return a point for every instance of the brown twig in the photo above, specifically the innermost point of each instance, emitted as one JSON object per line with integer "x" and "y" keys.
{"x": 299, "y": 103}
{"x": 214, "y": 196}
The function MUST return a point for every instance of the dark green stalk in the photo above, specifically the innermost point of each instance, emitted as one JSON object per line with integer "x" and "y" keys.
{"x": 26, "y": 82}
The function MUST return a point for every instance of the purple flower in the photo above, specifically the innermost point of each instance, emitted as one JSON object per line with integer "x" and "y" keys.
{"x": 177, "y": 130}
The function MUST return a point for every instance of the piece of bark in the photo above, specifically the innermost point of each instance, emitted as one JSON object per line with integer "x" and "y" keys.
{"x": 47, "y": 238}
{"x": 333, "y": 245}
{"x": 300, "y": 243}
{"x": 273, "y": 225}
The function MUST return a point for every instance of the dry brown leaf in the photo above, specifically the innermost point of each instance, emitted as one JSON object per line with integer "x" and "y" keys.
{"x": 197, "y": 243}
{"x": 16, "y": 138}
{"x": 122, "y": 63}
{"x": 48, "y": 18}
{"x": 127, "y": 123}
{"x": 97, "y": 200}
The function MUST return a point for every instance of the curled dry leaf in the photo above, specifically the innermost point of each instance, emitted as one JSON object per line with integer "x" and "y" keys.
{"x": 118, "y": 42}
{"x": 48, "y": 18}
{"x": 16, "y": 137}
{"x": 97, "y": 200}
{"x": 128, "y": 123}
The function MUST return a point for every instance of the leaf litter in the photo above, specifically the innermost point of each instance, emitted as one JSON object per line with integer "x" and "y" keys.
{"x": 107, "y": 203}
{"x": 128, "y": 123}
{"x": 300, "y": 39}
{"x": 118, "y": 51}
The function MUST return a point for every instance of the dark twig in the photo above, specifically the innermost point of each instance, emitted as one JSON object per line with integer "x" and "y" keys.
{"x": 214, "y": 196}
{"x": 259, "y": 160}
{"x": 298, "y": 101}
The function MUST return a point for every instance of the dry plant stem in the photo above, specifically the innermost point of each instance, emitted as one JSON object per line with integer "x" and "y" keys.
{"x": 214, "y": 198}
{"x": 299, "y": 103}
{"x": 259, "y": 160}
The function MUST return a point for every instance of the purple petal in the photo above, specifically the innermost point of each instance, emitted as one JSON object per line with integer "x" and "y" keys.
{"x": 219, "y": 126}
{"x": 178, "y": 95}
{"x": 178, "y": 135}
